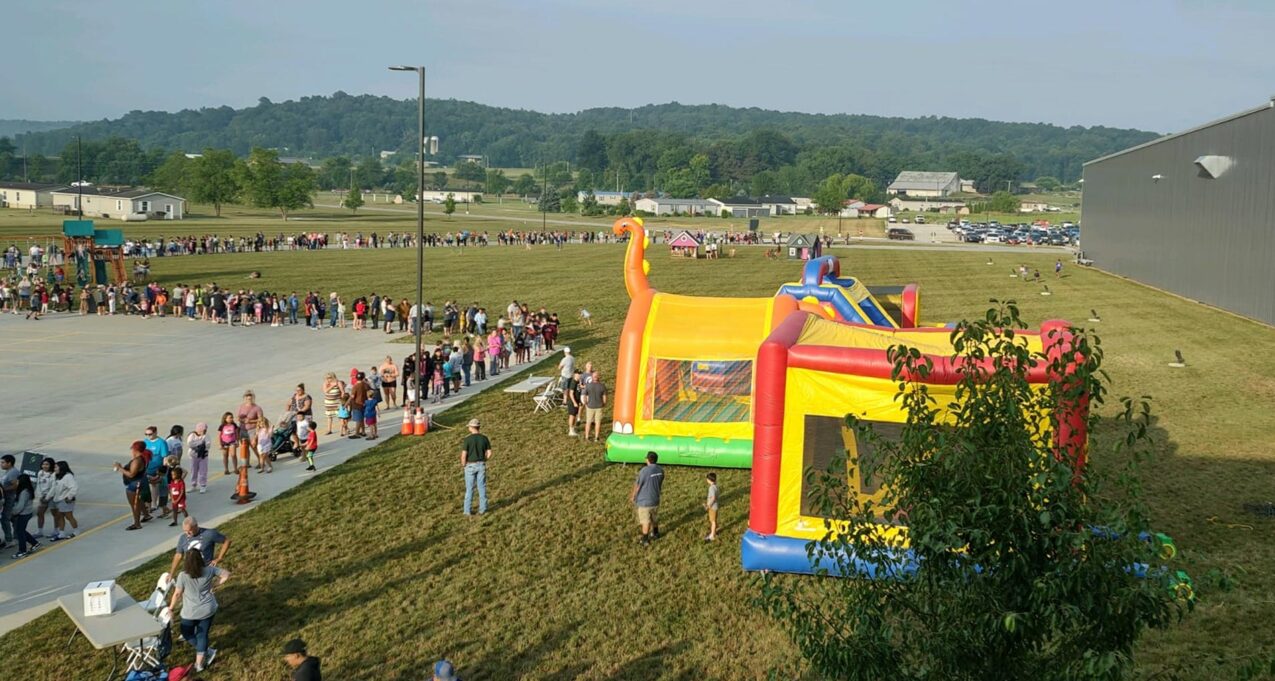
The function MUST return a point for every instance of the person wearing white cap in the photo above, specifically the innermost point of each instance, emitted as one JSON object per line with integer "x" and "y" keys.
{"x": 474, "y": 454}
{"x": 567, "y": 365}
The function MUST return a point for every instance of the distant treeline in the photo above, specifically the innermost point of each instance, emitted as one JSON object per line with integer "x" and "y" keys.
{"x": 632, "y": 149}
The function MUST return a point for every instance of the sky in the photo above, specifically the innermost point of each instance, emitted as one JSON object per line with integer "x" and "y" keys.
{"x": 1155, "y": 65}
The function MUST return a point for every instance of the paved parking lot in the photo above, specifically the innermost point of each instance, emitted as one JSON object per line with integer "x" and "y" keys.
{"x": 83, "y": 388}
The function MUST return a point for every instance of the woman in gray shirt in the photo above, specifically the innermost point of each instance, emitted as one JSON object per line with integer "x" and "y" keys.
{"x": 195, "y": 586}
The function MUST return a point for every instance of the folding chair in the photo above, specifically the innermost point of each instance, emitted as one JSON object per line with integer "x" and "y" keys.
{"x": 548, "y": 397}
{"x": 148, "y": 653}
{"x": 160, "y": 595}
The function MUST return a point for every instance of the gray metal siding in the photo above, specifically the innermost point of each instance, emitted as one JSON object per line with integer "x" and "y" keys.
{"x": 1211, "y": 240}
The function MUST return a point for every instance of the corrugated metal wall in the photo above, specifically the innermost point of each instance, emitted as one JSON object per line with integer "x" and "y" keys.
{"x": 1211, "y": 240}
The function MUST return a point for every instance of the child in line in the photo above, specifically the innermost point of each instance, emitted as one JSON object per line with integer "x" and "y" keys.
{"x": 369, "y": 413}
{"x": 303, "y": 432}
{"x": 343, "y": 412}
{"x": 311, "y": 444}
{"x": 228, "y": 436}
{"x": 177, "y": 494}
{"x": 438, "y": 382}
{"x": 710, "y": 505}
{"x": 265, "y": 462}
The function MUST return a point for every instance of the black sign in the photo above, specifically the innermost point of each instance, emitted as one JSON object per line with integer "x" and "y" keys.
{"x": 753, "y": 224}
{"x": 31, "y": 463}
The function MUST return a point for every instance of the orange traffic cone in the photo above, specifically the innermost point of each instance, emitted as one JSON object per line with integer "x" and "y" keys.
{"x": 407, "y": 422}
{"x": 422, "y": 426}
{"x": 242, "y": 494}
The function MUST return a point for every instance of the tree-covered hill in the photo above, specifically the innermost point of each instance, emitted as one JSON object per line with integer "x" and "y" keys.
{"x": 633, "y": 140}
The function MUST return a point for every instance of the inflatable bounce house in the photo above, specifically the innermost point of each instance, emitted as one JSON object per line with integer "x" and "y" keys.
{"x": 684, "y": 384}
{"x": 811, "y": 372}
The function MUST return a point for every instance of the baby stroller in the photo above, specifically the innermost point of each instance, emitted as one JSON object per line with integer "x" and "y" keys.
{"x": 281, "y": 437}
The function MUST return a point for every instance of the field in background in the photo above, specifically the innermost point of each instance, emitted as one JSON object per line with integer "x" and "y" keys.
{"x": 374, "y": 566}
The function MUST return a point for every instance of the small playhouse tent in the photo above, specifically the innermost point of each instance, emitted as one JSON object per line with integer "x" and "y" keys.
{"x": 804, "y": 246}
{"x": 686, "y": 244}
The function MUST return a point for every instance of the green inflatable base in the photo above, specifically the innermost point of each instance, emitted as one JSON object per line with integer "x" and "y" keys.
{"x": 681, "y": 451}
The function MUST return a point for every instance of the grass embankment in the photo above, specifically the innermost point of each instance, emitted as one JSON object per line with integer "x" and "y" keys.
{"x": 375, "y": 567}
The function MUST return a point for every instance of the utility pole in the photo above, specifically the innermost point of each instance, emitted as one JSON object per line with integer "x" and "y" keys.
{"x": 79, "y": 184}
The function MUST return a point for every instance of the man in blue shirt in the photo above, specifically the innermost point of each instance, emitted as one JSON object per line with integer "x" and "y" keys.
{"x": 646, "y": 497}
{"x": 158, "y": 449}
{"x": 292, "y": 307}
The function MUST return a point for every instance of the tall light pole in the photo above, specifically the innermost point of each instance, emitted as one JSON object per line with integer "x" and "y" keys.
{"x": 420, "y": 222}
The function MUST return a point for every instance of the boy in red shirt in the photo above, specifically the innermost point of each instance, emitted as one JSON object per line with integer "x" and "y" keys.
{"x": 311, "y": 445}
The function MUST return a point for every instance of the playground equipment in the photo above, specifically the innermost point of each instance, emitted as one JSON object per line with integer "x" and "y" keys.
{"x": 94, "y": 252}
{"x": 810, "y": 374}
{"x": 684, "y": 380}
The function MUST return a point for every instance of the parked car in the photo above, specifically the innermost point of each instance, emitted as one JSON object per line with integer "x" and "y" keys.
{"x": 907, "y": 221}
{"x": 920, "y": 219}
{"x": 892, "y": 219}
{"x": 901, "y": 234}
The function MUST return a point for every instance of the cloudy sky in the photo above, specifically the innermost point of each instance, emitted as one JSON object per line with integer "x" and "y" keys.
{"x": 1156, "y": 65}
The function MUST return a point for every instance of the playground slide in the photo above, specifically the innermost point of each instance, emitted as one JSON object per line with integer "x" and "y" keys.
{"x": 848, "y": 298}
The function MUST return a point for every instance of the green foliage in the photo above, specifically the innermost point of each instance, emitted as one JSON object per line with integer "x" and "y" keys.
{"x": 589, "y": 206}
{"x": 832, "y": 194}
{"x": 567, "y": 201}
{"x": 115, "y": 160}
{"x": 1011, "y": 579}
{"x": 990, "y": 172}
{"x": 216, "y": 177}
{"x": 449, "y": 204}
{"x": 172, "y": 176}
{"x": 1048, "y": 183}
{"x": 496, "y": 182}
{"x": 353, "y": 199}
{"x": 860, "y": 187}
{"x": 268, "y": 183}
{"x": 549, "y": 201}
{"x": 1000, "y": 202}
{"x": 470, "y": 170}
{"x": 335, "y": 173}
{"x": 525, "y": 185}
{"x": 738, "y": 142}
{"x": 370, "y": 173}
{"x": 10, "y": 168}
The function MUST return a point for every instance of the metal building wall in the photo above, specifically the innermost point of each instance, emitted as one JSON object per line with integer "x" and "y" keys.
{"x": 1211, "y": 240}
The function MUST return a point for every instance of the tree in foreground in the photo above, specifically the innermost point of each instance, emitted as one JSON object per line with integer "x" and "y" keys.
{"x": 1017, "y": 561}
{"x": 353, "y": 199}
{"x": 449, "y": 204}
{"x": 216, "y": 178}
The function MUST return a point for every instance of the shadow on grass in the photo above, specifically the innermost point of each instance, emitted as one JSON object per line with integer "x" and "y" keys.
{"x": 541, "y": 489}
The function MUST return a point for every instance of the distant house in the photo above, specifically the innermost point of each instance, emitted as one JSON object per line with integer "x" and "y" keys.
{"x": 741, "y": 207}
{"x": 804, "y": 246}
{"x": 604, "y": 198}
{"x": 926, "y": 206}
{"x": 779, "y": 205}
{"x": 924, "y": 184}
{"x": 803, "y": 203}
{"x": 472, "y": 158}
{"x": 440, "y": 195}
{"x": 967, "y": 187}
{"x": 387, "y": 154}
{"x": 1033, "y": 207}
{"x": 27, "y": 194}
{"x": 859, "y": 209}
{"x": 669, "y": 206}
{"x": 123, "y": 204}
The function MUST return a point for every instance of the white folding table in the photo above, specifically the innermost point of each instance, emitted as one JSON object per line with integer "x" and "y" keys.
{"x": 127, "y": 622}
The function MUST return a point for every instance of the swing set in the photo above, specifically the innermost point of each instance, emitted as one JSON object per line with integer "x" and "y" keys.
{"x": 94, "y": 252}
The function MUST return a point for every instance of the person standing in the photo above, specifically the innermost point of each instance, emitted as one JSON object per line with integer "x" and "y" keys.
{"x": 9, "y": 490}
{"x": 358, "y": 398}
{"x": 595, "y": 398}
{"x": 197, "y": 443}
{"x": 195, "y": 586}
{"x": 305, "y": 667}
{"x": 65, "y": 489}
{"x": 571, "y": 391}
{"x": 44, "y": 481}
{"x": 134, "y": 474}
{"x": 204, "y": 539}
{"x": 250, "y": 414}
{"x": 23, "y": 509}
{"x": 157, "y": 487}
{"x": 567, "y": 365}
{"x": 646, "y": 497}
{"x": 389, "y": 382}
{"x": 710, "y": 506}
{"x": 475, "y": 452}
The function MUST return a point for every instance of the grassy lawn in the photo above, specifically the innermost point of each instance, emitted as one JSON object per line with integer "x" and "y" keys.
{"x": 375, "y": 567}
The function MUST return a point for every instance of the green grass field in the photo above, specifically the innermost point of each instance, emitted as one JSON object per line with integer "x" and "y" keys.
{"x": 375, "y": 567}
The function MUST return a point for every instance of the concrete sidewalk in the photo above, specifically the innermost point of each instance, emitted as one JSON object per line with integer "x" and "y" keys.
{"x": 83, "y": 388}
